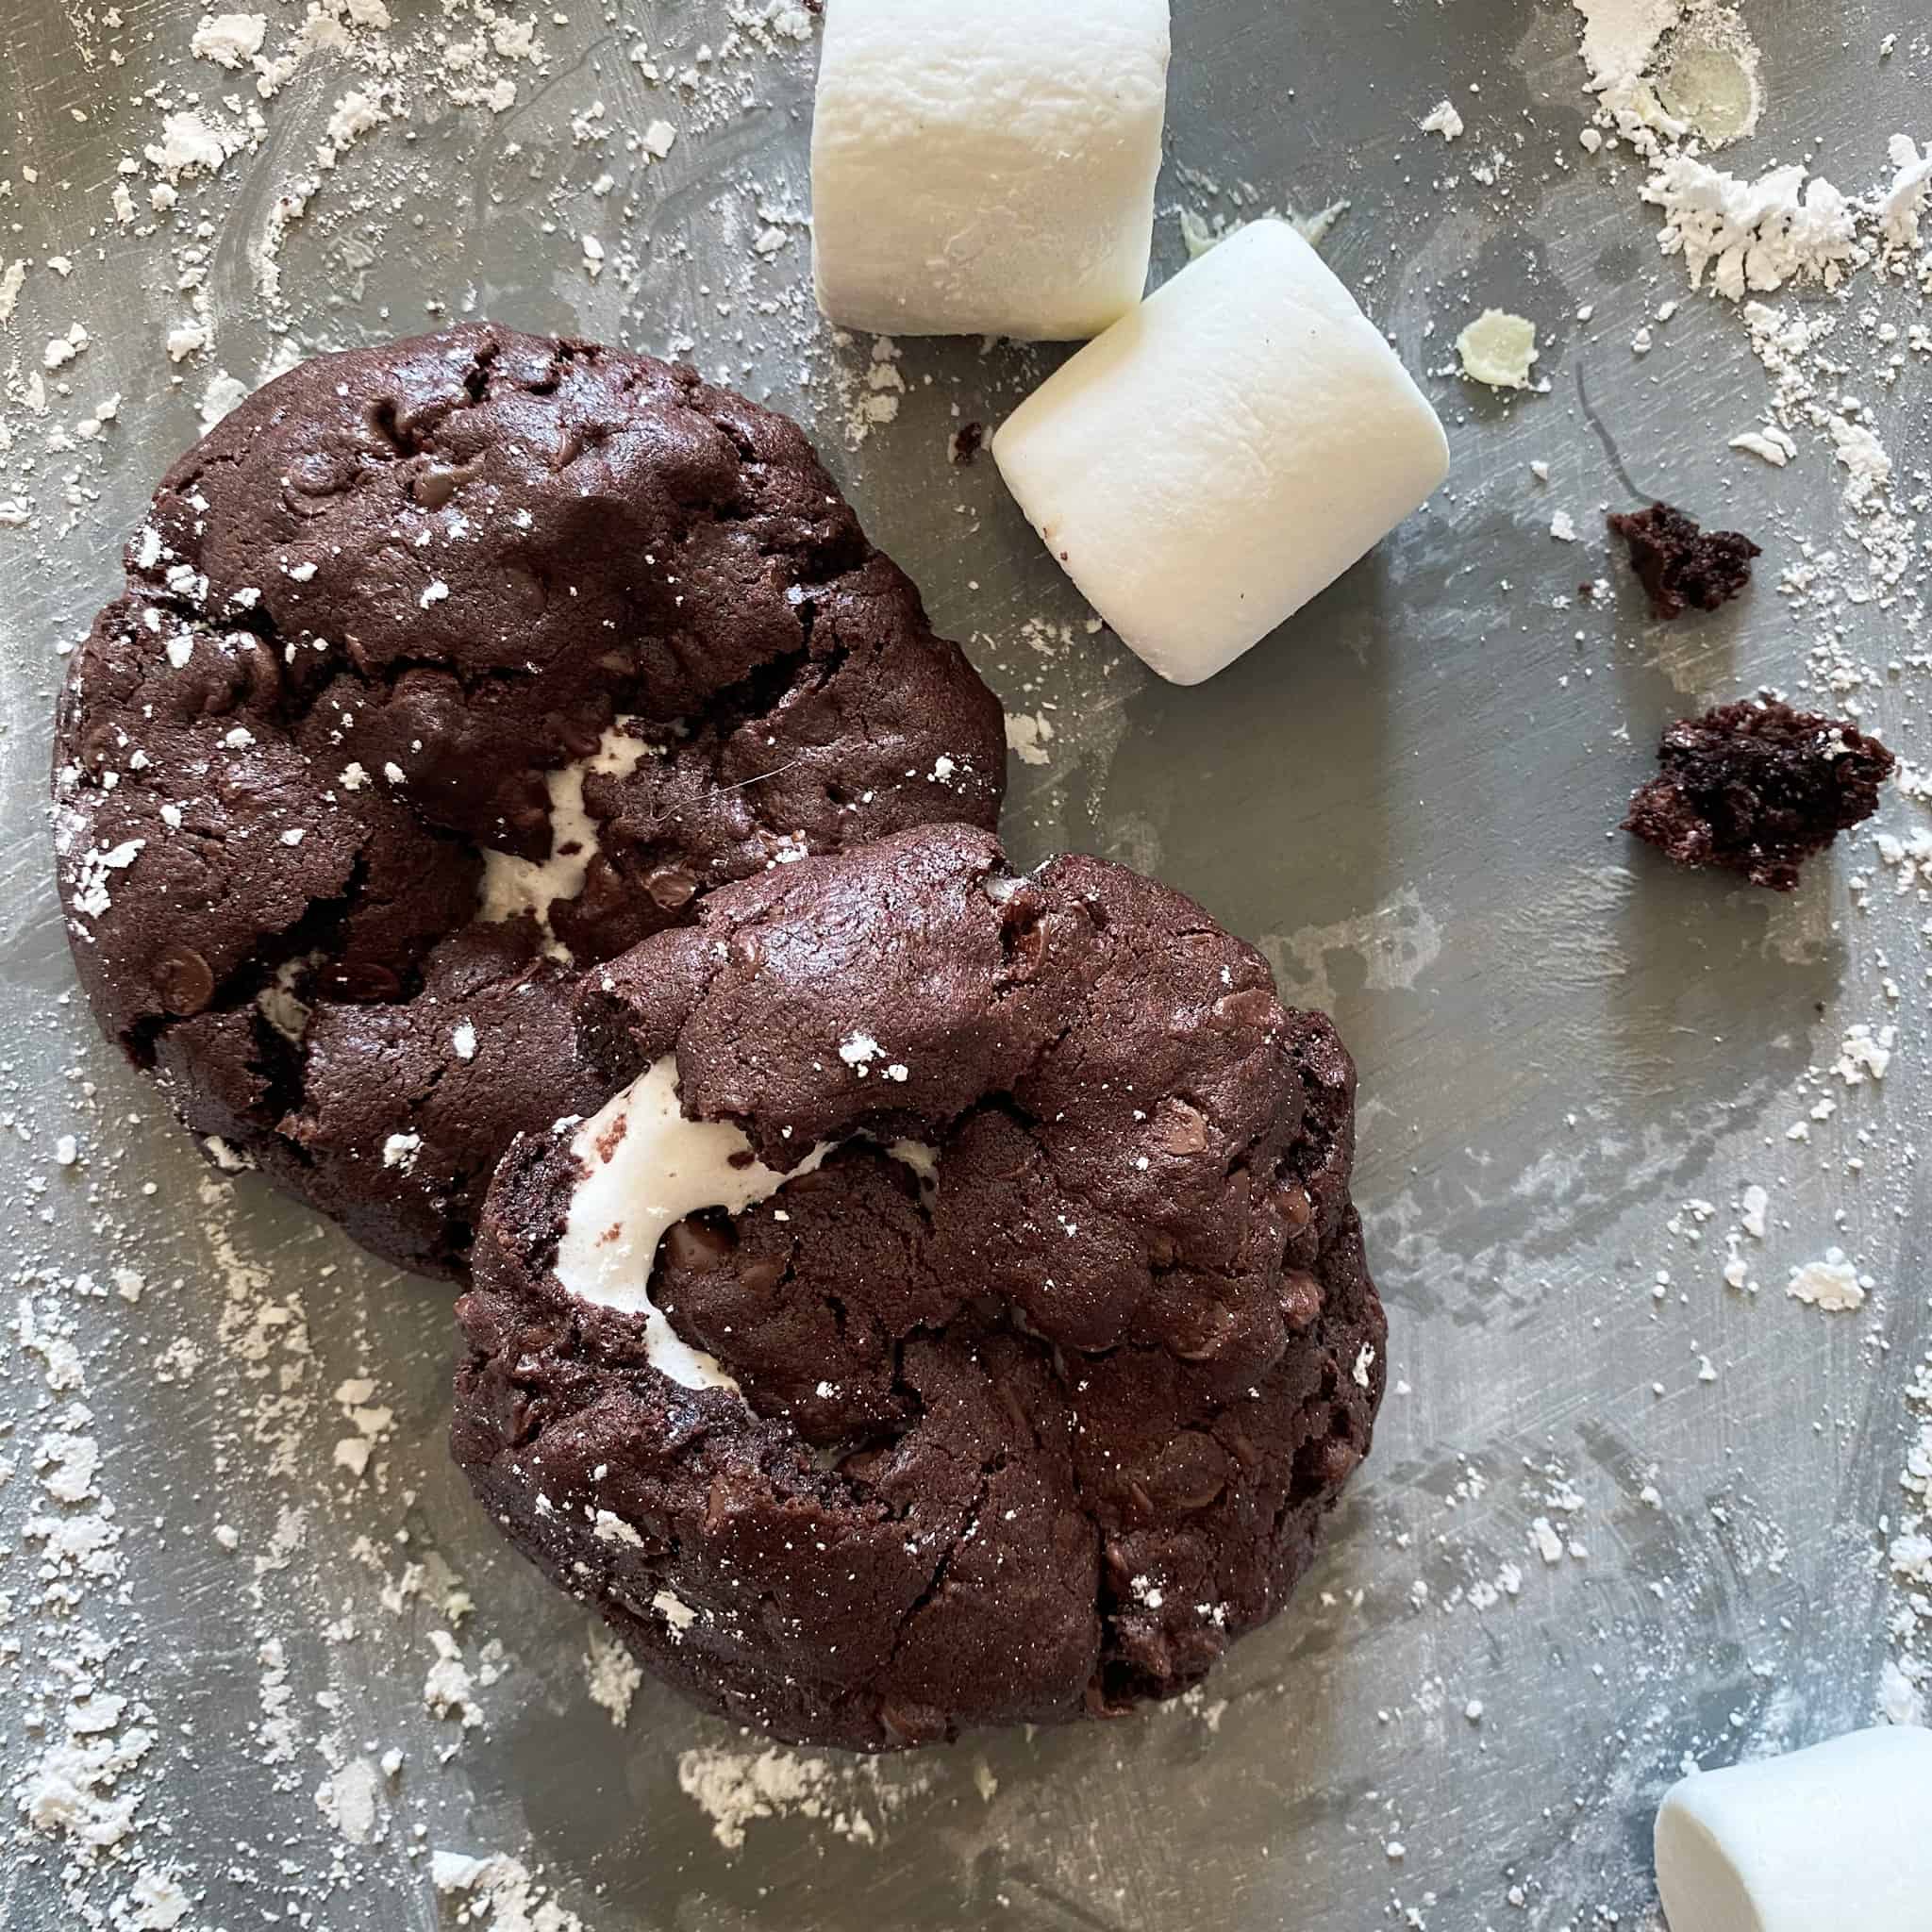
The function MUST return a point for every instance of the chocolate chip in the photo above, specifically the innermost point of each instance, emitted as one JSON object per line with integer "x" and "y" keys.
{"x": 435, "y": 484}
{"x": 1338, "y": 1459}
{"x": 698, "y": 1245}
{"x": 1181, "y": 1129}
{"x": 1253, "y": 1009}
{"x": 184, "y": 981}
{"x": 359, "y": 982}
{"x": 1205, "y": 1332}
{"x": 315, "y": 480}
{"x": 760, "y": 1277}
{"x": 671, "y": 886}
{"x": 1296, "y": 1208}
{"x": 913, "y": 1724}
{"x": 1301, "y": 1301}
{"x": 1189, "y": 1474}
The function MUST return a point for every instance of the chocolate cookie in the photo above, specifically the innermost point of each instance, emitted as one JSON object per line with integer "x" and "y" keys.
{"x": 1016, "y": 1337}
{"x": 444, "y": 670}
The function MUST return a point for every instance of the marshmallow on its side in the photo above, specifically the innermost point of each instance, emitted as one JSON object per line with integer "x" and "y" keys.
{"x": 1837, "y": 1836}
{"x": 1224, "y": 454}
{"x": 987, "y": 169}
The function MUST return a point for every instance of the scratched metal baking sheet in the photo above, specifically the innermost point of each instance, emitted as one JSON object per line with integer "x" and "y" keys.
{"x": 1407, "y": 799}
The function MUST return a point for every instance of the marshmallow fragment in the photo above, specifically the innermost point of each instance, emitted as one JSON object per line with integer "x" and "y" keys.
{"x": 1837, "y": 1836}
{"x": 987, "y": 169}
{"x": 1223, "y": 453}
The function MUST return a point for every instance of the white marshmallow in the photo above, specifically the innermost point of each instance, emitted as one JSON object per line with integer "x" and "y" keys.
{"x": 1224, "y": 454}
{"x": 1837, "y": 1836}
{"x": 515, "y": 886}
{"x": 646, "y": 1166}
{"x": 987, "y": 169}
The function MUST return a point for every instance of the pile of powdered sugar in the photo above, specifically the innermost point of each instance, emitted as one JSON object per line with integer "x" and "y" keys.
{"x": 1787, "y": 229}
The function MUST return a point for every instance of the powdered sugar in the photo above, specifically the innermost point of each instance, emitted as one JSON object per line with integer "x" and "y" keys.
{"x": 231, "y": 40}
{"x": 853, "y": 1798}
{"x": 1833, "y": 1285}
{"x": 1753, "y": 236}
{"x": 499, "y": 1893}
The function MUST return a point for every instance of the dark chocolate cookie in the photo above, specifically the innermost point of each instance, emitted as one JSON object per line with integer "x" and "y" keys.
{"x": 1026, "y": 1394}
{"x": 444, "y": 669}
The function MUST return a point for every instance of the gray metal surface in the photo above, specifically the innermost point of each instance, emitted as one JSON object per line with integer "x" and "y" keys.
{"x": 1407, "y": 797}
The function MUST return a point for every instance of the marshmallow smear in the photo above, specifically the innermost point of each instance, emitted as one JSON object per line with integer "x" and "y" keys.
{"x": 987, "y": 169}
{"x": 646, "y": 1167}
{"x": 1837, "y": 1836}
{"x": 1223, "y": 453}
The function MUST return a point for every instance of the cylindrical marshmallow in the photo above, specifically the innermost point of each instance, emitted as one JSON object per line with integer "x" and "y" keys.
{"x": 1840, "y": 1836}
{"x": 987, "y": 168}
{"x": 1222, "y": 454}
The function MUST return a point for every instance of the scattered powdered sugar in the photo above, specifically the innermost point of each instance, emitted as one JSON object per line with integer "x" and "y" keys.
{"x": 611, "y": 1674}
{"x": 1753, "y": 237}
{"x": 499, "y": 1893}
{"x": 1029, "y": 737}
{"x": 1665, "y": 69}
{"x": 853, "y": 1798}
{"x": 1788, "y": 231}
{"x": 1903, "y": 204}
{"x": 350, "y": 1799}
{"x": 1620, "y": 36}
{"x": 1907, "y": 1685}
{"x": 449, "y": 1690}
{"x": 103, "y": 1775}
{"x": 230, "y": 40}
{"x": 1865, "y": 1054}
{"x": 868, "y": 381}
{"x": 1832, "y": 1284}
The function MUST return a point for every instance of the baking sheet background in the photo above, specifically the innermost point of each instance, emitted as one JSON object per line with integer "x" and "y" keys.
{"x": 1406, "y": 798}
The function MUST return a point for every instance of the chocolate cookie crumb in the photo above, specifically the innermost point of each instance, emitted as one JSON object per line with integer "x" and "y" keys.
{"x": 1759, "y": 789}
{"x": 1682, "y": 565}
{"x": 967, "y": 440}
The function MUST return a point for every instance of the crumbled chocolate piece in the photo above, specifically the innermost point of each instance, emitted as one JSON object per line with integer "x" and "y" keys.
{"x": 1682, "y": 565}
{"x": 1759, "y": 789}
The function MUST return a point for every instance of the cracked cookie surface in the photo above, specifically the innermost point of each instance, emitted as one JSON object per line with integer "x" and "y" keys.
{"x": 1026, "y": 1428}
{"x": 444, "y": 669}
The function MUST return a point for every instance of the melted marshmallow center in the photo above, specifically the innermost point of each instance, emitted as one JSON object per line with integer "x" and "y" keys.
{"x": 647, "y": 1166}
{"x": 512, "y": 886}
